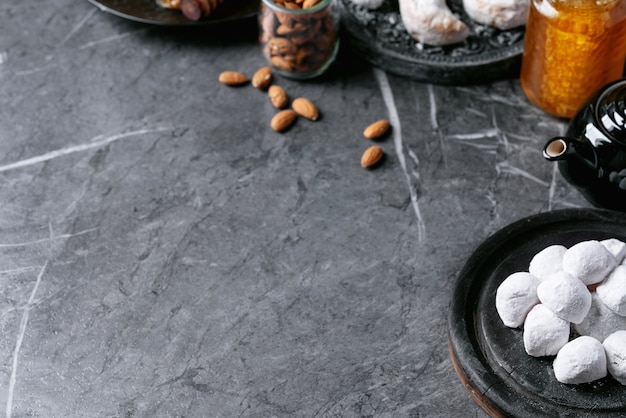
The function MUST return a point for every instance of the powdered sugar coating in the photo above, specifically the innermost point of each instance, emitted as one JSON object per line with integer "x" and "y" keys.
{"x": 615, "y": 247}
{"x": 582, "y": 360}
{"x": 612, "y": 291}
{"x": 589, "y": 261}
{"x": 615, "y": 348}
{"x": 547, "y": 262}
{"x": 515, "y": 297}
{"x": 583, "y": 287}
{"x": 544, "y": 332}
{"x": 566, "y": 296}
{"x": 601, "y": 321}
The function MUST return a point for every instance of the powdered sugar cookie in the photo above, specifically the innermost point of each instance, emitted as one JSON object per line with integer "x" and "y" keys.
{"x": 544, "y": 332}
{"x": 547, "y": 262}
{"x": 601, "y": 321}
{"x": 582, "y": 360}
{"x": 589, "y": 261}
{"x": 615, "y": 247}
{"x": 612, "y": 291}
{"x": 515, "y": 297}
{"x": 566, "y": 296}
{"x": 615, "y": 348}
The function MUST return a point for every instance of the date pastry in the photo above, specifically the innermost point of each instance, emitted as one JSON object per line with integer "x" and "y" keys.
{"x": 192, "y": 9}
{"x": 502, "y": 14}
{"x": 432, "y": 22}
{"x": 198, "y": 9}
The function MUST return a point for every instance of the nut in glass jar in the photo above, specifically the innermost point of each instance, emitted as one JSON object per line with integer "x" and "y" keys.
{"x": 300, "y": 38}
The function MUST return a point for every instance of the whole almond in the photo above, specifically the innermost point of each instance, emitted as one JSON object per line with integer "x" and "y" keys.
{"x": 372, "y": 156}
{"x": 262, "y": 78}
{"x": 278, "y": 96}
{"x": 283, "y": 120}
{"x": 309, "y": 3}
{"x": 305, "y": 108}
{"x": 233, "y": 78}
{"x": 376, "y": 129}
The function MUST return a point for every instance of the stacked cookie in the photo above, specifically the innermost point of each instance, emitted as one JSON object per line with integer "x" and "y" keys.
{"x": 582, "y": 287}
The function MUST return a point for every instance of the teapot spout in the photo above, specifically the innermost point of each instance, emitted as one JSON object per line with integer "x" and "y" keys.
{"x": 556, "y": 148}
{"x": 577, "y": 153}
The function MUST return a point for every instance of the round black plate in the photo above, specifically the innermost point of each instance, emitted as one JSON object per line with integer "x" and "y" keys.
{"x": 489, "y": 357}
{"x": 148, "y": 11}
{"x": 379, "y": 37}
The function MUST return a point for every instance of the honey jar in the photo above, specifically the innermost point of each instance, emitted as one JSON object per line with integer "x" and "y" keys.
{"x": 572, "y": 48}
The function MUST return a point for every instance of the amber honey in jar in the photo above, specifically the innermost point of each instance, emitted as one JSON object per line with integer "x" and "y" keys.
{"x": 572, "y": 48}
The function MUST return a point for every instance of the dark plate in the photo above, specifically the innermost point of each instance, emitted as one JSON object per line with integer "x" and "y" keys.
{"x": 489, "y": 357}
{"x": 379, "y": 37}
{"x": 147, "y": 11}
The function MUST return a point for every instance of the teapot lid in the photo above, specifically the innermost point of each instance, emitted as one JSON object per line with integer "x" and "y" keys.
{"x": 610, "y": 111}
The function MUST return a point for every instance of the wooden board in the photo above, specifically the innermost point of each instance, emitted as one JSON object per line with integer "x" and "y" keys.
{"x": 489, "y": 357}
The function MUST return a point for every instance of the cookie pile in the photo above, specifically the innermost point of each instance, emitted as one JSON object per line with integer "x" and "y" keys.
{"x": 581, "y": 288}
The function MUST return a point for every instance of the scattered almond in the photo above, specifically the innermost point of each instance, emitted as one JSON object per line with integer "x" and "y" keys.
{"x": 376, "y": 129}
{"x": 305, "y": 108}
{"x": 262, "y": 78}
{"x": 233, "y": 78}
{"x": 372, "y": 156}
{"x": 278, "y": 97}
{"x": 283, "y": 120}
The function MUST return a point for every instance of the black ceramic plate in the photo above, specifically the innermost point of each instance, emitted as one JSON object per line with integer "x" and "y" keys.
{"x": 148, "y": 11}
{"x": 379, "y": 36}
{"x": 489, "y": 357}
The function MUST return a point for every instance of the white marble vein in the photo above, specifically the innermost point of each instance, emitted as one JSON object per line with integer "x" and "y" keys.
{"x": 433, "y": 108}
{"x": 506, "y": 167}
{"x": 487, "y": 133}
{"x": 111, "y": 39}
{"x": 20, "y": 338}
{"x": 98, "y": 142}
{"x": 509, "y": 100}
{"x": 18, "y": 270}
{"x": 35, "y": 70}
{"x": 44, "y": 240}
{"x": 552, "y": 187}
{"x": 394, "y": 120}
{"x": 502, "y": 137}
{"x": 80, "y": 24}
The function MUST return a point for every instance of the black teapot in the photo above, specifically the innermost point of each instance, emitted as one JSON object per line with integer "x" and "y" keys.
{"x": 592, "y": 154}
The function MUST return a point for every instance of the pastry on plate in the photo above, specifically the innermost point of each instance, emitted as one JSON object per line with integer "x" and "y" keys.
{"x": 432, "y": 22}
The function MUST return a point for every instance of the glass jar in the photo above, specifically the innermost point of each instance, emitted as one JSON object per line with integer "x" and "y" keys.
{"x": 572, "y": 48}
{"x": 299, "y": 38}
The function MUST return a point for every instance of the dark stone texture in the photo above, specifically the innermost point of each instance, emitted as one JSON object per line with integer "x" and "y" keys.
{"x": 166, "y": 254}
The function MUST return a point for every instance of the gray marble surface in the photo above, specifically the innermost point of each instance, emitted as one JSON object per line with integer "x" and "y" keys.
{"x": 166, "y": 254}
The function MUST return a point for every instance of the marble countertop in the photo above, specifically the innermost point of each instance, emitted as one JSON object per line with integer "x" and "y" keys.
{"x": 166, "y": 254}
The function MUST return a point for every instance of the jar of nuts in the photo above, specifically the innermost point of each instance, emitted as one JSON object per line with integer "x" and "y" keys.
{"x": 300, "y": 38}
